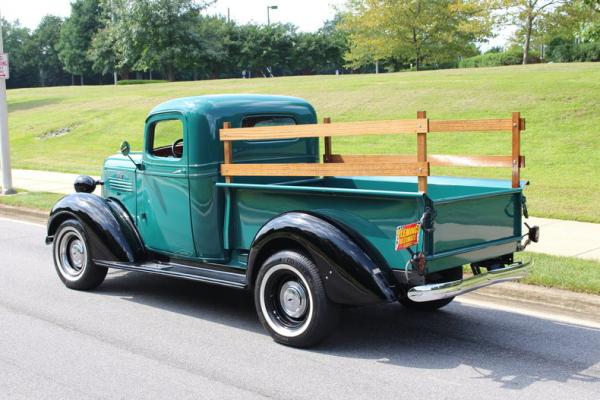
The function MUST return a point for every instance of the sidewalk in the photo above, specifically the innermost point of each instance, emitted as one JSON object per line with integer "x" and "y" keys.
{"x": 44, "y": 181}
{"x": 557, "y": 237}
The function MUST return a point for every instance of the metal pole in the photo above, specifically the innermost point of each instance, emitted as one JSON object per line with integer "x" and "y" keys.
{"x": 7, "y": 187}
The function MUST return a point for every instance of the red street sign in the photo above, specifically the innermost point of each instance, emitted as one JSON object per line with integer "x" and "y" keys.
{"x": 4, "y": 70}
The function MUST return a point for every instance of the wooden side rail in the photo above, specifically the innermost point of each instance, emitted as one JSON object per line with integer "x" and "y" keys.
{"x": 323, "y": 130}
{"x": 328, "y": 169}
{"x": 435, "y": 160}
{"x": 375, "y": 165}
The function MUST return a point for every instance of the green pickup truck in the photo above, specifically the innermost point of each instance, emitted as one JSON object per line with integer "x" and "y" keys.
{"x": 231, "y": 190}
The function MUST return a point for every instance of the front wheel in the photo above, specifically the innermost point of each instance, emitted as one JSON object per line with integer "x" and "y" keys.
{"x": 291, "y": 302}
{"x": 425, "y": 305}
{"x": 72, "y": 258}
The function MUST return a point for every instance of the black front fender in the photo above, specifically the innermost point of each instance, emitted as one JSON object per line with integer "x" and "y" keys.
{"x": 349, "y": 273}
{"x": 110, "y": 230}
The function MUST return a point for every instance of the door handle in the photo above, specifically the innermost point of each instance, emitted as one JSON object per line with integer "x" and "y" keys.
{"x": 179, "y": 171}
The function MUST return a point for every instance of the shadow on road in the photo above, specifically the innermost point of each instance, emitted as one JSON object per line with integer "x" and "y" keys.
{"x": 512, "y": 349}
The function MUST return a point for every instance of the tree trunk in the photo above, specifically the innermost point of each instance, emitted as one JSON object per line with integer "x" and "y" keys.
{"x": 81, "y": 79}
{"x": 417, "y": 50}
{"x": 170, "y": 74}
{"x": 72, "y": 80}
{"x": 528, "y": 29}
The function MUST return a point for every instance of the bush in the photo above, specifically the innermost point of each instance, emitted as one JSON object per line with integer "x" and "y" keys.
{"x": 495, "y": 59}
{"x": 564, "y": 51}
{"x": 139, "y": 81}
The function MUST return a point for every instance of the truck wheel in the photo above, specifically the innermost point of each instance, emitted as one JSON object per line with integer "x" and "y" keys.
{"x": 425, "y": 305}
{"x": 291, "y": 302}
{"x": 72, "y": 259}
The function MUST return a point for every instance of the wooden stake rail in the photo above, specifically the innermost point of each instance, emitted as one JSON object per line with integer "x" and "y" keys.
{"x": 375, "y": 165}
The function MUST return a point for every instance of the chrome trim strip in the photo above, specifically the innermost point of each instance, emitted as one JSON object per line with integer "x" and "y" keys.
{"x": 475, "y": 247}
{"x": 438, "y": 291}
{"x": 320, "y": 189}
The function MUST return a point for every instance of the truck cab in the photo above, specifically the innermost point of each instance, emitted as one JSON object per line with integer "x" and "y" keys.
{"x": 304, "y": 241}
{"x": 171, "y": 192}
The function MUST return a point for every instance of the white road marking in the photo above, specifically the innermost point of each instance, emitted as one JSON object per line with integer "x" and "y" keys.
{"x": 19, "y": 221}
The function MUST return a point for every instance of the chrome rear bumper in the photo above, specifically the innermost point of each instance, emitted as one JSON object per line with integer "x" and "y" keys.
{"x": 437, "y": 291}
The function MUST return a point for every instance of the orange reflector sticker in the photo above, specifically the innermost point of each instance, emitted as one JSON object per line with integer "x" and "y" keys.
{"x": 407, "y": 235}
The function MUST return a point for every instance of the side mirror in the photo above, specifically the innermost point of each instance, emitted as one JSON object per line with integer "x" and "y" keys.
{"x": 125, "y": 148}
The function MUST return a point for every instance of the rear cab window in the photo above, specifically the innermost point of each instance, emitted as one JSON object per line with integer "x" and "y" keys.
{"x": 267, "y": 120}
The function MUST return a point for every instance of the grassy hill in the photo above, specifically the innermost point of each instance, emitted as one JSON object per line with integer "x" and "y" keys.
{"x": 73, "y": 128}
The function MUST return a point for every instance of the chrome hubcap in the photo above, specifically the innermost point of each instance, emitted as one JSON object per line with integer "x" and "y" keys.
{"x": 70, "y": 253}
{"x": 292, "y": 298}
{"x": 76, "y": 252}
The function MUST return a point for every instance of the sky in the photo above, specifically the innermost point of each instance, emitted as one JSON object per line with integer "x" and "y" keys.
{"x": 308, "y": 15}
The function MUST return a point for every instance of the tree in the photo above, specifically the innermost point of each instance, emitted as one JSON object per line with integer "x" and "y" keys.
{"x": 525, "y": 13}
{"x": 210, "y": 39}
{"x": 19, "y": 46}
{"x": 76, "y": 36}
{"x": 44, "y": 40}
{"x": 112, "y": 48}
{"x": 417, "y": 31}
{"x": 160, "y": 30}
{"x": 576, "y": 20}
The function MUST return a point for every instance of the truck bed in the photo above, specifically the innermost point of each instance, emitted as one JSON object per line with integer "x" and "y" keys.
{"x": 475, "y": 219}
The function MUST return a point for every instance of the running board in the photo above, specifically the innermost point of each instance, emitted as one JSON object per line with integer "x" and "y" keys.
{"x": 200, "y": 274}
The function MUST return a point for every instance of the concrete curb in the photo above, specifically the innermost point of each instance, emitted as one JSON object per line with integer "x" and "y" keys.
{"x": 24, "y": 213}
{"x": 582, "y": 304}
{"x": 556, "y": 298}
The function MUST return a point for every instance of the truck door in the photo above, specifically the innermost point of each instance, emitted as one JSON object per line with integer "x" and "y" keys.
{"x": 163, "y": 196}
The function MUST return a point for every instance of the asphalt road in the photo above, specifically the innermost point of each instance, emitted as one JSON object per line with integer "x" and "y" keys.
{"x": 140, "y": 336}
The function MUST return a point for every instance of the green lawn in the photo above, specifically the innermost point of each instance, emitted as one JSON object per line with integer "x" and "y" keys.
{"x": 568, "y": 273}
{"x": 73, "y": 128}
{"x": 35, "y": 200}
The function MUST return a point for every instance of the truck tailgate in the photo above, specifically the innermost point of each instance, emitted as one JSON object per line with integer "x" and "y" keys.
{"x": 485, "y": 225}
{"x": 468, "y": 222}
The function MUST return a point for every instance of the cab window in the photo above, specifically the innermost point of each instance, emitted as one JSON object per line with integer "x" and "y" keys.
{"x": 167, "y": 138}
{"x": 250, "y": 122}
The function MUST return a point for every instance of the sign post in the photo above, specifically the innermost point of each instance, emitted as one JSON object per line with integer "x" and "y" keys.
{"x": 4, "y": 142}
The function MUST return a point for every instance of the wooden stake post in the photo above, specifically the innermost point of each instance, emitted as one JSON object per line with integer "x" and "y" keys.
{"x": 516, "y": 149}
{"x": 227, "y": 151}
{"x": 327, "y": 155}
{"x": 422, "y": 147}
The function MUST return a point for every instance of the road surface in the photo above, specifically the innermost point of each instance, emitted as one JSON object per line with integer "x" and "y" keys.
{"x": 144, "y": 337}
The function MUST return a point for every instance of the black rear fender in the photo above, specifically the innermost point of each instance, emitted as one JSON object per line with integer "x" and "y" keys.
{"x": 110, "y": 229}
{"x": 349, "y": 273}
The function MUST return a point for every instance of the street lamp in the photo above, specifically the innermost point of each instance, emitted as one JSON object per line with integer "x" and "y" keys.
{"x": 269, "y": 8}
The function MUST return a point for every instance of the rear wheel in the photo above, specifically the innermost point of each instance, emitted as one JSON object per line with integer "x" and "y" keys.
{"x": 72, "y": 259}
{"x": 291, "y": 301}
{"x": 425, "y": 305}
